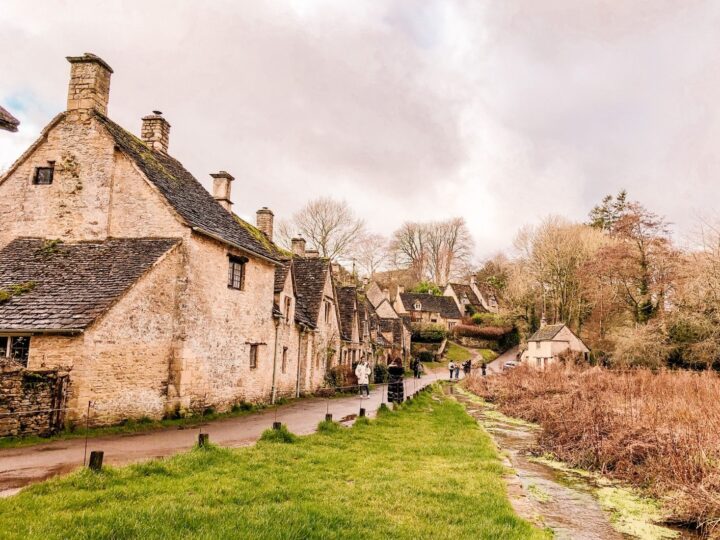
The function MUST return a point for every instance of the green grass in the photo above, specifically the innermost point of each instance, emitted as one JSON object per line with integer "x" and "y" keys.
{"x": 488, "y": 355}
{"x": 456, "y": 353}
{"x": 425, "y": 471}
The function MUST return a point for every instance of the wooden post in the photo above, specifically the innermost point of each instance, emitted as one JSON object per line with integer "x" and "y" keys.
{"x": 203, "y": 439}
{"x": 362, "y": 412}
{"x": 96, "y": 460}
{"x": 328, "y": 417}
{"x": 277, "y": 425}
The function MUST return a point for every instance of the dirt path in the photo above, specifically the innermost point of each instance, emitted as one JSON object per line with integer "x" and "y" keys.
{"x": 22, "y": 466}
{"x": 536, "y": 490}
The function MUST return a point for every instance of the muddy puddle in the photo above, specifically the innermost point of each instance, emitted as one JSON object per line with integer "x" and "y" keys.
{"x": 569, "y": 502}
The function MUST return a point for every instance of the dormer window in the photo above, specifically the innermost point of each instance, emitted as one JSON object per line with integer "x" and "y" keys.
{"x": 236, "y": 272}
{"x": 417, "y": 306}
{"x": 44, "y": 175}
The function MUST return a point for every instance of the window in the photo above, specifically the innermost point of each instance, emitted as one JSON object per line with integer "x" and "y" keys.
{"x": 284, "y": 359}
{"x": 253, "y": 356}
{"x": 328, "y": 308}
{"x": 15, "y": 347}
{"x": 44, "y": 175}
{"x": 288, "y": 304}
{"x": 236, "y": 272}
{"x": 417, "y": 306}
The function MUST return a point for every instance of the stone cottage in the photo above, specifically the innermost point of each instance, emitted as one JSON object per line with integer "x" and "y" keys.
{"x": 550, "y": 342}
{"x": 470, "y": 299}
{"x": 390, "y": 334}
{"x": 119, "y": 268}
{"x": 428, "y": 309}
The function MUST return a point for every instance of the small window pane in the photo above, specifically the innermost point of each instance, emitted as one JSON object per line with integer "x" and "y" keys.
{"x": 20, "y": 349}
{"x": 43, "y": 176}
{"x": 253, "y": 356}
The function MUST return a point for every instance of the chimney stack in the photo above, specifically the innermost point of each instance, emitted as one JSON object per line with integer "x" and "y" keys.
{"x": 298, "y": 246}
{"x": 264, "y": 220}
{"x": 312, "y": 254}
{"x": 155, "y": 132}
{"x": 222, "y": 189}
{"x": 89, "y": 87}
{"x": 386, "y": 294}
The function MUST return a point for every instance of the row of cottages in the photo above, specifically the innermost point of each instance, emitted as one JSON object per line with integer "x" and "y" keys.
{"x": 119, "y": 268}
{"x": 388, "y": 329}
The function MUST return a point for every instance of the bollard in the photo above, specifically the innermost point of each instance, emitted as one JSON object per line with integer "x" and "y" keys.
{"x": 362, "y": 412}
{"x": 203, "y": 439}
{"x": 328, "y": 417}
{"x": 277, "y": 425}
{"x": 96, "y": 459}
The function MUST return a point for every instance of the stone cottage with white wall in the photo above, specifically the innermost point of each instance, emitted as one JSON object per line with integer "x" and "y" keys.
{"x": 118, "y": 267}
{"x": 549, "y": 343}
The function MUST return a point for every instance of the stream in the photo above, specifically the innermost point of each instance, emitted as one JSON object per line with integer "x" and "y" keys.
{"x": 564, "y": 500}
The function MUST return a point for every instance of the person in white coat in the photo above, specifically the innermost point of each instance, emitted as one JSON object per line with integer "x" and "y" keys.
{"x": 362, "y": 372}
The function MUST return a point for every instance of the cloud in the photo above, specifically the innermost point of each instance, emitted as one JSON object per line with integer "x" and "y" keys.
{"x": 498, "y": 111}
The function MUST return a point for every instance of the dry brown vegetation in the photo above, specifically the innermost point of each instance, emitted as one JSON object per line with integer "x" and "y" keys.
{"x": 658, "y": 430}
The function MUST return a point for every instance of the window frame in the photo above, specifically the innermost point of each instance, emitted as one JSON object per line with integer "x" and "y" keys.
{"x": 36, "y": 174}
{"x": 237, "y": 265}
{"x": 283, "y": 366}
{"x": 7, "y": 351}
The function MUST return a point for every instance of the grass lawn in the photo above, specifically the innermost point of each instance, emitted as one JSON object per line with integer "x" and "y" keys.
{"x": 424, "y": 471}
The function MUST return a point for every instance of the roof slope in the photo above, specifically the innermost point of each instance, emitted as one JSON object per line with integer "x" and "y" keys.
{"x": 310, "y": 277}
{"x": 281, "y": 273}
{"x": 186, "y": 195}
{"x": 444, "y": 305}
{"x": 466, "y": 290}
{"x": 547, "y": 332}
{"x": 71, "y": 284}
{"x": 347, "y": 305}
{"x": 8, "y": 121}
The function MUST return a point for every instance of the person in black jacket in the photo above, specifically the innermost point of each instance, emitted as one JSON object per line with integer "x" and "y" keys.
{"x": 396, "y": 386}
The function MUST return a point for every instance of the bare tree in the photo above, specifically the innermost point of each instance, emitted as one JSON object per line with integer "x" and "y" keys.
{"x": 329, "y": 225}
{"x": 370, "y": 253}
{"x": 408, "y": 248}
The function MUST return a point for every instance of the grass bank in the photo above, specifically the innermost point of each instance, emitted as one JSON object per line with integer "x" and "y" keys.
{"x": 658, "y": 431}
{"x": 425, "y": 471}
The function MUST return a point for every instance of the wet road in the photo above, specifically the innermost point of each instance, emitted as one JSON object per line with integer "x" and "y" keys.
{"x": 22, "y": 466}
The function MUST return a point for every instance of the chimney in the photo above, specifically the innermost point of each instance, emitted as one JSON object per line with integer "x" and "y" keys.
{"x": 221, "y": 189}
{"x": 312, "y": 253}
{"x": 386, "y": 294}
{"x": 473, "y": 280}
{"x": 298, "y": 246}
{"x": 400, "y": 289}
{"x": 155, "y": 132}
{"x": 264, "y": 220}
{"x": 89, "y": 87}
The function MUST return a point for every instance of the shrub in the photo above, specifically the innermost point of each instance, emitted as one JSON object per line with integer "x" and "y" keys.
{"x": 431, "y": 333}
{"x": 659, "y": 430}
{"x": 282, "y": 435}
{"x": 426, "y": 287}
{"x": 341, "y": 377}
{"x": 426, "y": 356}
{"x": 481, "y": 332}
{"x": 380, "y": 373}
{"x": 328, "y": 426}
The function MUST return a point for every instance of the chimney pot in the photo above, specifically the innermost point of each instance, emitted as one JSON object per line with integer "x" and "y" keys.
{"x": 89, "y": 87}
{"x": 298, "y": 246}
{"x": 264, "y": 220}
{"x": 222, "y": 189}
{"x": 155, "y": 131}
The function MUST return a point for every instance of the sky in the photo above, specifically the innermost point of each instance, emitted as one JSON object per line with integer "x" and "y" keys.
{"x": 499, "y": 112}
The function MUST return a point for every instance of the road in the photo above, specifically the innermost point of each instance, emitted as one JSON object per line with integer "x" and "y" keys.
{"x": 22, "y": 466}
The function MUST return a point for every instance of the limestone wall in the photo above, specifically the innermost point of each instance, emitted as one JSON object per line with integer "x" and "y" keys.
{"x": 31, "y": 402}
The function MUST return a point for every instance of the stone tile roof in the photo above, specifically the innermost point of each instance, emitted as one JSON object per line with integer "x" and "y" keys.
{"x": 462, "y": 289}
{"x": 7, "y": 121}
{"x": 347, "y": 306}
{"x": 547, "y": 332}
{"x": 310, "y": 276}
{"x": 281, "y": 273}
{"x": 187, "y": 196}
{"x": 444, "y": 305}
{"x": 70, "y": 284}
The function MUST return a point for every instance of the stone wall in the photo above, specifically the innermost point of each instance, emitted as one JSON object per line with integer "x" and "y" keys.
{"x": 30, "y": 401}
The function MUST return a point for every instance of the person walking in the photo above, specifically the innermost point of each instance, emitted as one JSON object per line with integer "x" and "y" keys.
{"x": 396, "y": 390}
{"x": 484, "y": 368}
{"x": 457, "y": 372}
{"x": 451, "y": 367}
{"x": 362, "y": 372}
{"x": 417, "y": 367}
{"x": 467, "y": 366}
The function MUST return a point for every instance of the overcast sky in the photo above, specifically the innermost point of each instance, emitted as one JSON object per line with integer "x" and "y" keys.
{"x": 498, "y": 111}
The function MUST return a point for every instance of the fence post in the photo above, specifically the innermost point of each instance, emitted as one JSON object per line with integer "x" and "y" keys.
{"x": 328, "y": 417}
{"x": 362, "y": 412}
{"x": 277, "y": 425}
{"x": 203, "y": 439}
{"x": 96, "y": 460}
